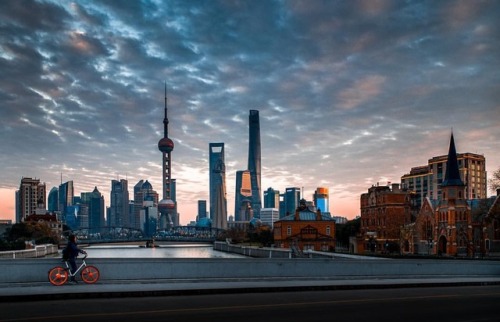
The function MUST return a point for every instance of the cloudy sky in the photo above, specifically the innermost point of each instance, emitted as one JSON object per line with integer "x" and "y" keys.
{"x": 350, "y": 93}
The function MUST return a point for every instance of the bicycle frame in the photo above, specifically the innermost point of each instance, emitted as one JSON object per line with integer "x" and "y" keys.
{"x": 84, "y": 264}
{"x": 59, "y": 275}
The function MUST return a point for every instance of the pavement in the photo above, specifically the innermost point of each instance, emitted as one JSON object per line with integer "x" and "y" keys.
{"x": 15, "y": 292}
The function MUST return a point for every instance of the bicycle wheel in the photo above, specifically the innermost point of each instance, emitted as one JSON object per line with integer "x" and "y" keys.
{"x": 58, "y": 275}
{"x": 90, "y": 274}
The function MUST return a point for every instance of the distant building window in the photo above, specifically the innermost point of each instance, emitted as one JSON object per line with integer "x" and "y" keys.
{"x": 328, "y": 230}
{"x": 289, "y": 230}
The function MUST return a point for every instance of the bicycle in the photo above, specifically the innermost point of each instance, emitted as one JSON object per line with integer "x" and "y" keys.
{"x": 59, "y": 275}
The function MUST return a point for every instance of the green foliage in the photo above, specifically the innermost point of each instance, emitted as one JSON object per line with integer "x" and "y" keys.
{"x": 344, "y": 231}
{"x": 7, "y": 245}
{"x": 40, "y": 232}
{"x": 494, "y": 182}
{"x": 262, "y": 235}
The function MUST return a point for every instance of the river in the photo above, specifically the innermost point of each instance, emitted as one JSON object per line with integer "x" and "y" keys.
{"x": 183, "y": 250}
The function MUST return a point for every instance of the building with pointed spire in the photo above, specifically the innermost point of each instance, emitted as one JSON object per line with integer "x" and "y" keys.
{"x": 167, "y": 207}
{"x": 444, "y": 226}
{"x": 453, "y": 232}
{"x": 427, "y": 180}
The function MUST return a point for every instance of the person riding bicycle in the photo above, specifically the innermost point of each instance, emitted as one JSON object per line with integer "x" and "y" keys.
{"x": 73, "y": 254}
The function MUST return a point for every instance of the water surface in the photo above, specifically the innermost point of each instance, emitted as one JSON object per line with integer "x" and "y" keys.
{"x": 162, "y": 251}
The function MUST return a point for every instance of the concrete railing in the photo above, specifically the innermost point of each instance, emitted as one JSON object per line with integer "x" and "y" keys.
{"x": 253, "y": 251}
{"x": 35, "y": 270}
{"x": 38, "y": 251}
{"x": 271, "y": 252}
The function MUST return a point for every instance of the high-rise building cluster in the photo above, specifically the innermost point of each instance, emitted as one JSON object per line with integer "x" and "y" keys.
{"x": 144, "y": 210}
{"x": 88, "y": 211}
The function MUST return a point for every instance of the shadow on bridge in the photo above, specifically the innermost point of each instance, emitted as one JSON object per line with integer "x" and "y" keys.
{"x": 109, "y": 234}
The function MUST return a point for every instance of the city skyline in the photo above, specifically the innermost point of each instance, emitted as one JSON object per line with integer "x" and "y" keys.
{"x": 349, "y": 94}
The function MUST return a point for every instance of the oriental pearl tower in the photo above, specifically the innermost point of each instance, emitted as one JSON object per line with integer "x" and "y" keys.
{"x": 167, "y": 207}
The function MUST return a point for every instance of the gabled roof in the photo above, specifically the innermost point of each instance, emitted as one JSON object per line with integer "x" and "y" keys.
{"x": 431, "y": 202}
{"x": 306, "y": 216}
{"x": 495, "y": 208}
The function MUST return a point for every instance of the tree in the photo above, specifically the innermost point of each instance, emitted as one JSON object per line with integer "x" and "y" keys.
{"x": 40, "y": 232}
{"x": 494, "y": 182}
{"x": 344, "y": 231}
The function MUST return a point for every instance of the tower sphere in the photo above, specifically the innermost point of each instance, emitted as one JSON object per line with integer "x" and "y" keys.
{"x": 166, "y": 204}
{"x": 166, "y": 145}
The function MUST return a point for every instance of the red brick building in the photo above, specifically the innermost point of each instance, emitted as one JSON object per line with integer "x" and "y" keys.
{"x": 307, "y": 229}
{"x": 384, "y": 210}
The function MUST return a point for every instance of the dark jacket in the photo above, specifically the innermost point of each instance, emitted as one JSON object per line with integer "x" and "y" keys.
{"x": 74, "y": 250}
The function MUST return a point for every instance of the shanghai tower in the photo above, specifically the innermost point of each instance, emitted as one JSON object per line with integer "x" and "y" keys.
{"x": 254, "y": 161}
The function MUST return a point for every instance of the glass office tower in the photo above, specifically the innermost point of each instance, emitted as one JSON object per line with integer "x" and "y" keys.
{"x": 202, "y": 209}
{"x": 254, "y": 164}
{"x": 321, "y": 199}
{"x": 217, "y": 180}
{"x": 292, "y": 198}
{"x": 271, "y": 198}
{"x": 119, "y": 200}
{"x": 243, "y": 196}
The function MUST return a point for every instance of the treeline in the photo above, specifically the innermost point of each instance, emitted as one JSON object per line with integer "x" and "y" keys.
{"x": 18, "y": 235}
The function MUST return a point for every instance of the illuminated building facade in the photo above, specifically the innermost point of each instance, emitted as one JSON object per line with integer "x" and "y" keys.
{"x": 426, "y": 180}
{"x": 243, "y": 196}
{"x": 321, "y": 199}
{"x": 305, "y": 229}
{"x": 31, "y": 192}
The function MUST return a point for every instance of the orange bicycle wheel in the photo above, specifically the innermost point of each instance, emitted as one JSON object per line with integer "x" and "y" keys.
{"x": 58, "y": 275}
{"x": 90, "y": 274}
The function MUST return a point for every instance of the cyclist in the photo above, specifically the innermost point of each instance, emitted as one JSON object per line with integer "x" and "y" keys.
{"x": 73, "y": 254}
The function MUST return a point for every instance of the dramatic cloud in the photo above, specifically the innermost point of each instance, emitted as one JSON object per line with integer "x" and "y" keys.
{"x": 350, "y": 93}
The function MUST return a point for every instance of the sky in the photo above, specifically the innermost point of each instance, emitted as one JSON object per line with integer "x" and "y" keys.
{"x": 350, "y": 93}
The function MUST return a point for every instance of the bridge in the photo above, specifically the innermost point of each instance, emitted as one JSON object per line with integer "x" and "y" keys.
{"x": 111, "y": 234}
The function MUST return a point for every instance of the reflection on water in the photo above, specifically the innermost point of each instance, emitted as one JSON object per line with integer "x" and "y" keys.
{"x": 162, "y": 251}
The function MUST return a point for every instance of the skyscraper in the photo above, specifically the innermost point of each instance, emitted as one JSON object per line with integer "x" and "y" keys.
{"x": 243, "y": 196}
{"x": 271, "y": 198}
{"x": 66, "y": 194}
{"x": 167, "y": 206}
{"x": 31, "y": 193}
{"x": 95, "y": 202}
{"x": 53, "y": 200}
{"x": 143, "y": 192}
{"x": 292, "y": 199}
{"x": 119, "y": 198}
{"x": 254, "y": 164}
{"x": 202, "y": 209}
{"x": 321, "y": 199}
{"x": 217, "y": 179}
